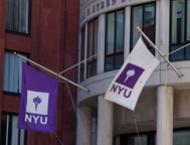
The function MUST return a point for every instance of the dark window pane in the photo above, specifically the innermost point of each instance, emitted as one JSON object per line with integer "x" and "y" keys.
{"x": 17, "y": 16}
{"x": 82, "y": 53}
{"x": 91, "y": 68}
{"x": 12, "y": 73}
{"x": 187, "y": 52}
{"x": 178, "y": 9}
{"x": 181, "y": 138}
{"x": 135, "y": 140}
{"x": 149, "y": 21}
{"x": 115, "y": 25}
{"x": 137, "y": 17}
{"x": 92, "y": 47}
{"x": 118, "y": 60}
{"x": 109, "y": 63}
{"x": 188, "y": 20}
{"x": 110, "y": 33}
{"x": 82, "y": 43}
{"x": 143, "y": 16}
{"x": 120, "y": 22}
{"x": 179, "y": 55}
{"x": 11, "y": 135}
{"x": 81, "y": 72}
{"x": 180, "y": 29}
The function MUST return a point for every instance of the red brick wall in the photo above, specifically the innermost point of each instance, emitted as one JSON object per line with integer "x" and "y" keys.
{"x": 53, "y": 43}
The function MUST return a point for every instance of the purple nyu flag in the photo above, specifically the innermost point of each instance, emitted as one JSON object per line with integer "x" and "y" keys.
{"x": 38, "y": 101}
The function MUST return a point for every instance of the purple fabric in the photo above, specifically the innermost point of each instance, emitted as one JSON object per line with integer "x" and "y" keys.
{"x": 38, "y": 101}
{"x": 133, "y": 77}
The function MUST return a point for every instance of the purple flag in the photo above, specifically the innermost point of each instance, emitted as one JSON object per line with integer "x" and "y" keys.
{"x": 38, "y": 101}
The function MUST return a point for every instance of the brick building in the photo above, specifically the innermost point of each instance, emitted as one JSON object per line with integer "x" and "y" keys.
{"x": 47, "y": 32}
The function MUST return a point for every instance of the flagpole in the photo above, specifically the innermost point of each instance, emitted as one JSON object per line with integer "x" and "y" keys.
{"x": 180, "y": 75}
{"x": 51, "y": 72}
{"x": 178, "y": 49}
{"x": 75, "y": 65}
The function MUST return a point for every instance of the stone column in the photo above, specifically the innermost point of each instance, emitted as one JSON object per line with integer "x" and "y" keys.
{"x": 105, "y": 122}
{"x": 164, "y": 134}
{"x": 84, "y": 124}
{"x": 101, "y": 43}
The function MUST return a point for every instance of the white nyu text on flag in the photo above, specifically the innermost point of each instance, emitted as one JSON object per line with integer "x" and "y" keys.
{"x": 131, "y": 78}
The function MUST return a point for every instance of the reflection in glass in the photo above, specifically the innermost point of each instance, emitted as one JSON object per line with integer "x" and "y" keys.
{"x": 143, "y": 16}
{"x": 120, "y": 31}
{"x": 188, "y": 20}
{"x": 114, "y": 40}
{"x": 92, "y": 47}
{"x": 180, "y": 29}
{"x": 181, "y": 138}
{"x": 178, "y": 21}
{"x": 135, "y": 140}
{"x": 110, "y": 33}
{"x": 136, "y": 22}
{"x": 82, "y": 53}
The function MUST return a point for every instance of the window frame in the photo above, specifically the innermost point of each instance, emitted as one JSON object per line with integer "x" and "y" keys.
{"x": 11, "y": 114}
{"x": 115, "y": 53}
{"x": 185, "y": 34}
{"x": 12, "y": 51}
{"x": 92, "y": 63}
{"x": 148, "y": 134}
{"x": 29, "y": 22}
{"x": 143, "y": 23}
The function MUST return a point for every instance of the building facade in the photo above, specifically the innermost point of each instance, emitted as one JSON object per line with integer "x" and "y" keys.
{"x": 43, "y": 31}
{"x": 108, "y": 30}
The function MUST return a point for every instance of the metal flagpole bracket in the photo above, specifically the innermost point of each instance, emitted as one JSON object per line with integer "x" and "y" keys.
{"x": 51, "y": 72}
{"x": 75, "y": 65}
{"x": 179, "y": 74}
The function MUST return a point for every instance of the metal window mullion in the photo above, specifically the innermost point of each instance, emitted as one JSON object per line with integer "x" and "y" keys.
{"x": 93, "y": 43}
{"x": 143, "y": 13}
{"x": 106, "y": 30}
{"x": 185, "y": 29}
{"x": 115, "y": 32}
{"x": 131, "y": 30}
{"x": 85, "y": 49}
{"x": 7, "y": 130}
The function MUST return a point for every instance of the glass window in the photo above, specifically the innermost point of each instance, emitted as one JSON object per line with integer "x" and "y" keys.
{"x": 92, "y": 47}
{"x": 17, "y": 16}
{"x": 181, "y": 138}
{"x": 12, "y": 73}
{"x": 180, "y": 29}
{"x": 142, "y": 139}
{"x": 82, "y": 53}
{"x": 188, "y": 22}
{"x": 143, "y": 16}
{"x": 115, "y": 23}
{"x": 11, "y": 135}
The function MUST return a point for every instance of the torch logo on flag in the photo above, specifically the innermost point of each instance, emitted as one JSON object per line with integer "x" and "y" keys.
{"x": 38, "y": 101}
{"x": 131, "y": 78}
{"x": 130, "y": 75}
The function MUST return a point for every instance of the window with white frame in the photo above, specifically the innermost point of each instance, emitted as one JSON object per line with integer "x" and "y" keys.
{"x": 180, "y": 29}
{"x": 18, "y": 16}
{"x": 143, "y": 16}
{"x": 10, "y": 134}
{"x": 12, "y": 73}
{"x": 92, "y": 42}
{"x": 114, "y": 45}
